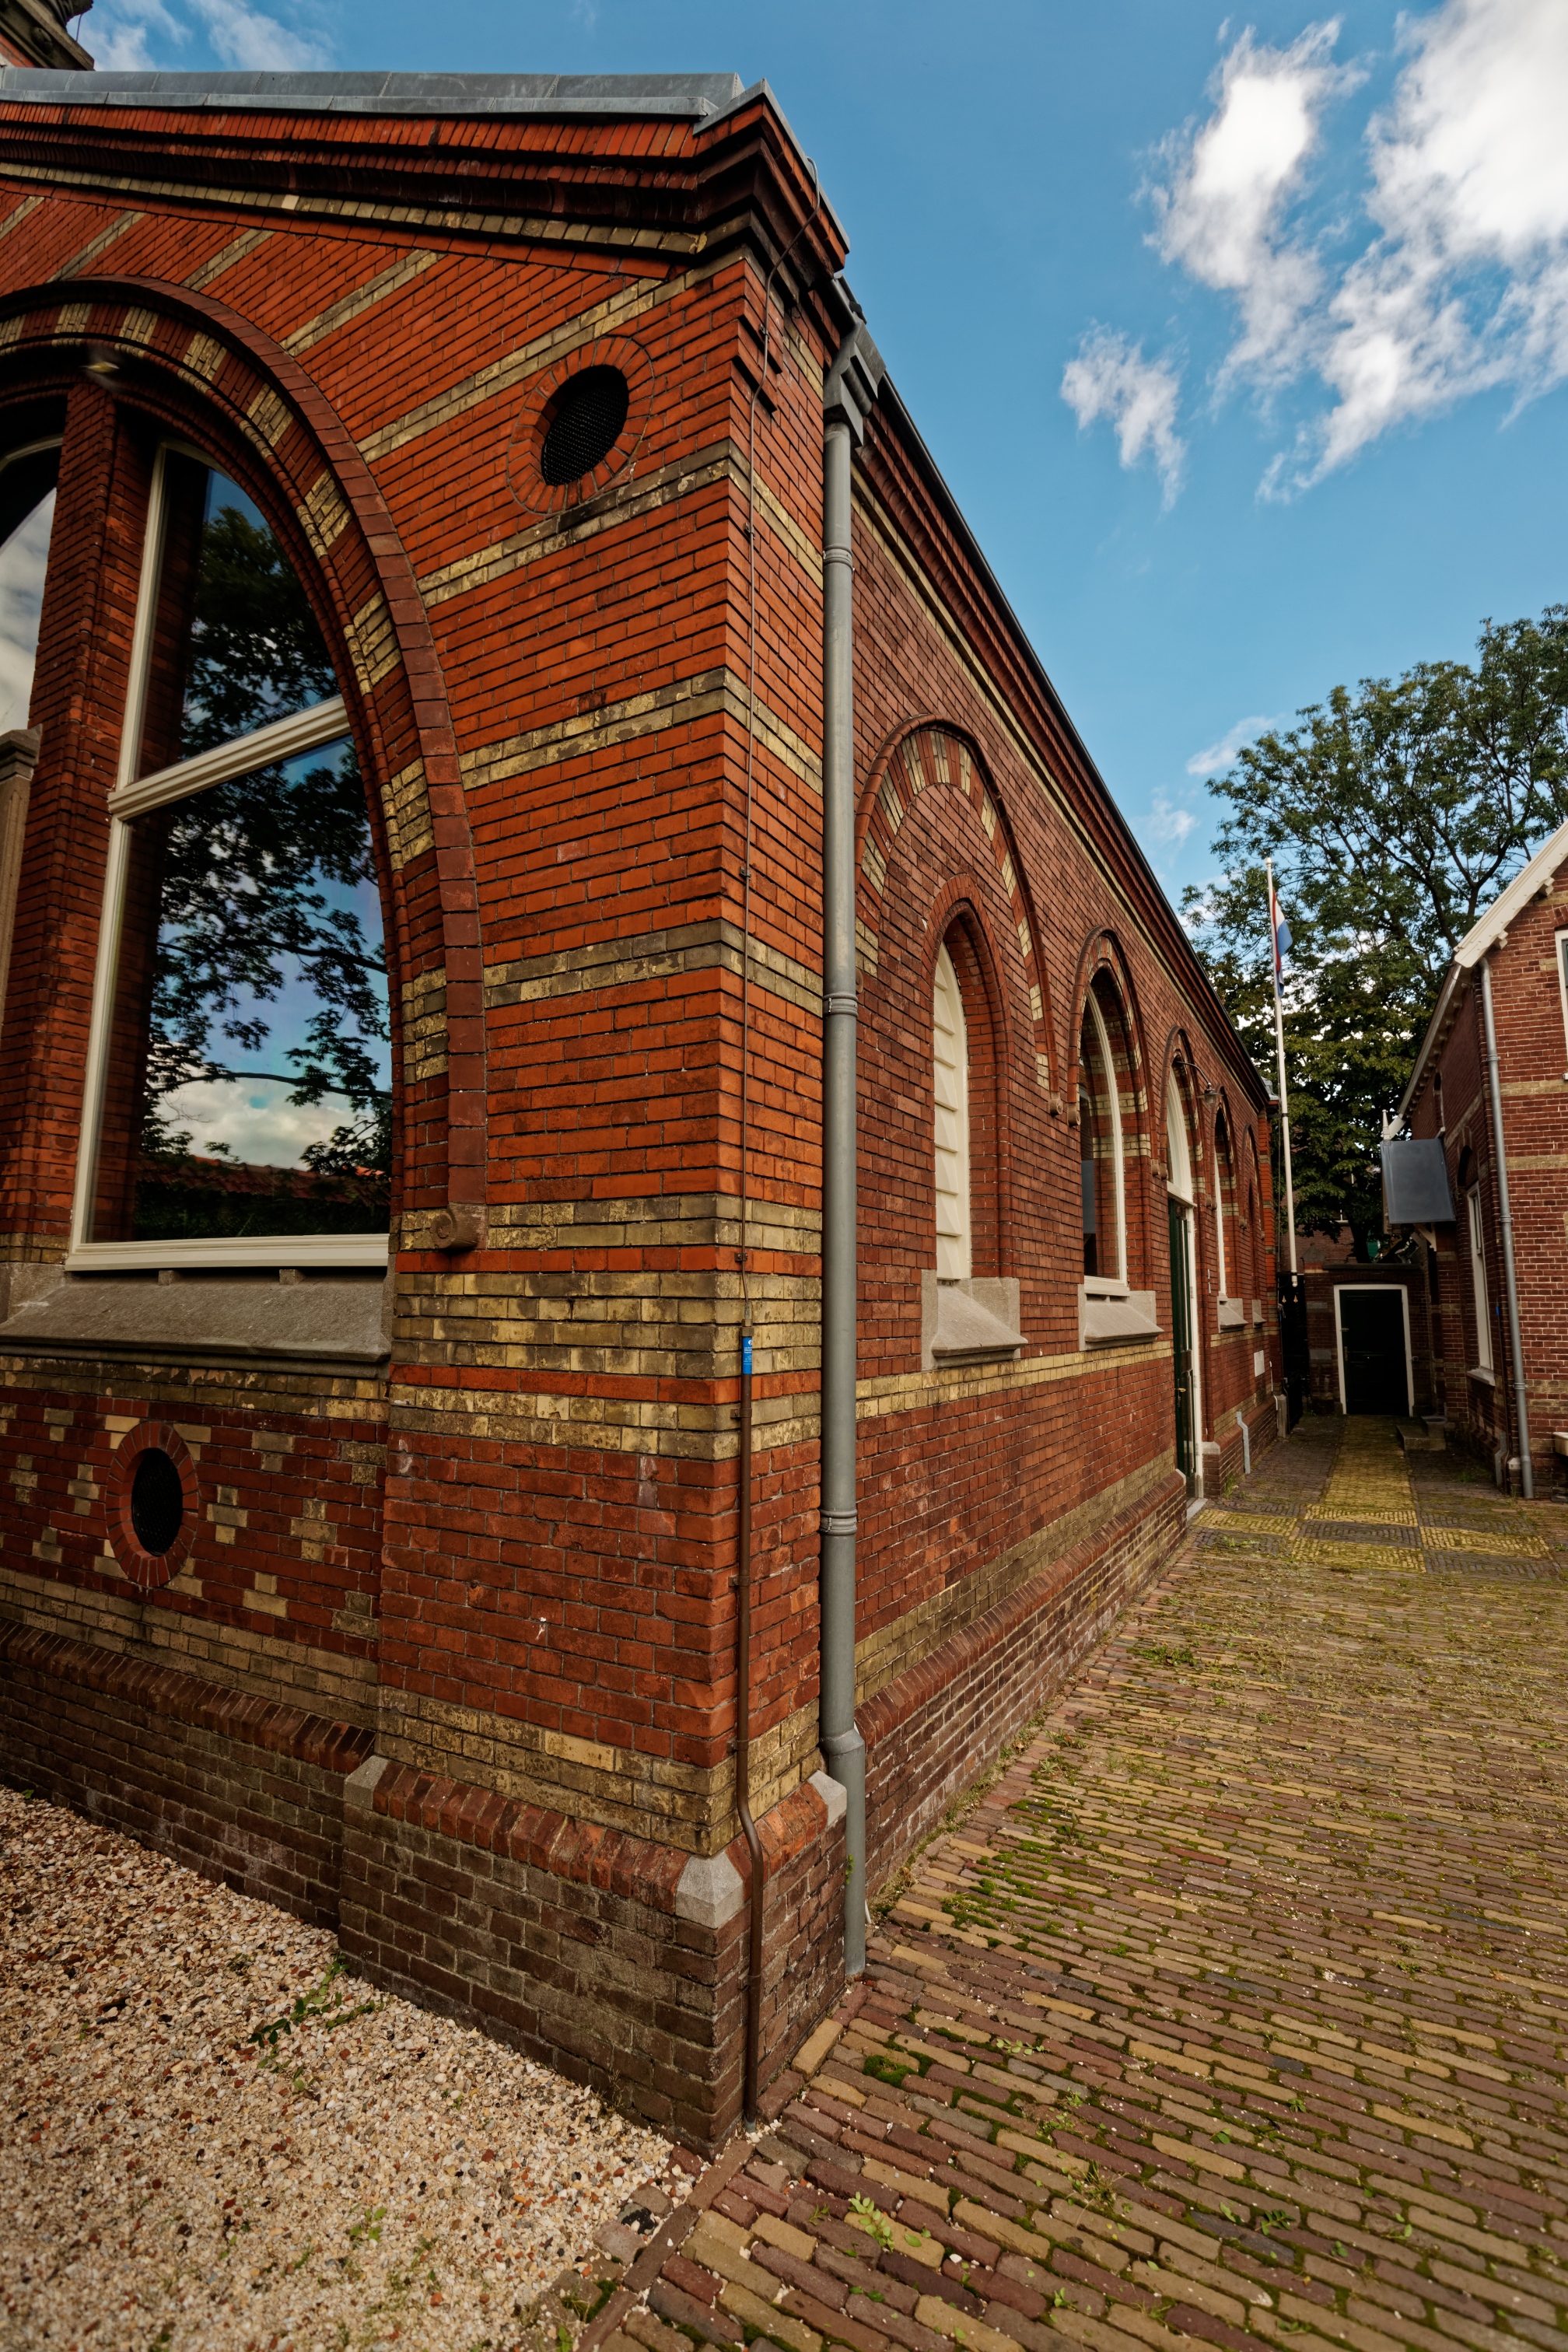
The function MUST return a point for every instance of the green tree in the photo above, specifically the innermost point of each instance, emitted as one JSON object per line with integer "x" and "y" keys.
{"x": 1394, "y": 815}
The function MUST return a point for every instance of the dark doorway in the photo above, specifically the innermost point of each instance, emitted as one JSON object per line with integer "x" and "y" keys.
{"x": 1181, "y": 1344}
{"x": 1371, "y": 1337}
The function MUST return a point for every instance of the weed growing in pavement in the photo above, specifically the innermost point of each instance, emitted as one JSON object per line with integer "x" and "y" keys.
{"x": 864, "y": 2215}
{"x": 1097, "y": 2188}
{"x": 1164, "y": 1653}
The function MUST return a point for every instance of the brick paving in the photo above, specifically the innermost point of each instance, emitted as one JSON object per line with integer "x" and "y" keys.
{"x": 1235, "y": 2008}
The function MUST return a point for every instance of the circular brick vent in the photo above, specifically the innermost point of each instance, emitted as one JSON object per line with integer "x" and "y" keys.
{"x": 157, "y": 1502}
{"x": 589, "y": 413}
{"x": 154, "y": 1503}
{"x": 580, "y": 426}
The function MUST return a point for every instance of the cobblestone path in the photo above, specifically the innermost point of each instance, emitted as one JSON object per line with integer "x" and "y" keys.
{"x": 1235, "y": 2009}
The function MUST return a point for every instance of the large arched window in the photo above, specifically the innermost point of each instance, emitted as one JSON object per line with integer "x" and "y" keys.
{"x": 950, "y": 1091}
{"x": 1100, "y": 1143}
{"x": 239, "y": 1104}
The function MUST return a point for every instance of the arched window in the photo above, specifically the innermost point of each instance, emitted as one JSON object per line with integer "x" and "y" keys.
{"x": 1178, "y": 1158}
{"x": 1101, "y": 1145}
{"x": 239, "y": 1073}
{"x": 1227, "y": 1262}
{"x": 950, "y": 1089}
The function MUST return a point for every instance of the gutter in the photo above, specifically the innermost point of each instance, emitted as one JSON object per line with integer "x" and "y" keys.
{"x": 848, "y": 394}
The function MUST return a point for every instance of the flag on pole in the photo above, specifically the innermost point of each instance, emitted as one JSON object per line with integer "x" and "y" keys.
{"x": 1280, "y": 929}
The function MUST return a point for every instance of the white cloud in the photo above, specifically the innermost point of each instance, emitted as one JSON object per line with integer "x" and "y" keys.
{"x": 1467, "y": 285}
{"x": 248, "y": 38}
{"x": 1223, "y": 212}
{"x": 253, "y": 1117}
{"x": 121, "y": 31}
{"x": 1223, "y": 754}
{"x": 1456, "y": 277}
{"x": 1169, "y": 821}
{"x": 1111, "y": 379}
{"x": 136, "y": 36}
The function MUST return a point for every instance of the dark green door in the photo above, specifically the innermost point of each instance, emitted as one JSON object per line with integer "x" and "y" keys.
{"x": 1181, "y": 1344}
{"x": 1372, "y": 1334}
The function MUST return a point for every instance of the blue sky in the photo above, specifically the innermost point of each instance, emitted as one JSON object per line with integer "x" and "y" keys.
{"x": 1242, "y": 343}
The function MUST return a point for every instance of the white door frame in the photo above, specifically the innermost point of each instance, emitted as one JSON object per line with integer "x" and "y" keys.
{"x": 1340, "y": 1338}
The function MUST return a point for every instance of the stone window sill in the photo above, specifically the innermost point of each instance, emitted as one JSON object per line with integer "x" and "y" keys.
{"x": 325, "y": 1320}
{"x": 1479, "y": 1372}
{"x": 1120, "y": 1321}
{"x": 1232, "y": 1314}
{"x": 969, "y": 1322}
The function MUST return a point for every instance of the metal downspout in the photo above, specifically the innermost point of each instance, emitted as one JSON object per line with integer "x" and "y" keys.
{"x": 1505, "y": 1217}
{"x": 848, "y": 394}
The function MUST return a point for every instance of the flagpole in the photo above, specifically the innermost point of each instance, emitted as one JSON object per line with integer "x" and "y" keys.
{"x": 1280, "y": 1049}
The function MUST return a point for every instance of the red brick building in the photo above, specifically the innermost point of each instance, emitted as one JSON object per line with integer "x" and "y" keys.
{"x": 1498, "y": 1262}
{"x": 412, "y": 1091}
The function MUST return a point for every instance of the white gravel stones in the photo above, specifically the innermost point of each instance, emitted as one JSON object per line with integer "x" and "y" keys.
{"x": 365, "y": 2174}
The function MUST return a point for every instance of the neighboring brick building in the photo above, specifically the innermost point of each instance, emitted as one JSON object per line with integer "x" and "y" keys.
{"x": 1522, "y": 943}
{"x": 406, "y": 1098}
{"x": 1340, "y": 1288}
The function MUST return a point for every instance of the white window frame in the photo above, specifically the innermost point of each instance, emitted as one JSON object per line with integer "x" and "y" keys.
{"x": 1562, "y": 945}
{"x": 1111, "y": 1285}
{"x": 1474, "y": 1227}
{"x": 947, "y": 1013}
{"x": 133, "y": 797}
{"x": 1178, "y": 1151}
{"x": 1220, "y": 1158}
{"x": 1340, "y": 1290}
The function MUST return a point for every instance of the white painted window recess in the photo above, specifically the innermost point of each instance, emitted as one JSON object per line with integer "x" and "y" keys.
{"x": 949, "y": 1087}
{"x": 1103, "y": 1158}
{"x": 1478, "y": 1233}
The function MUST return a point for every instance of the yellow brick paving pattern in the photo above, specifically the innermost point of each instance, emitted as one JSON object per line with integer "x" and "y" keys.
{"x": 1237, "y": 2009}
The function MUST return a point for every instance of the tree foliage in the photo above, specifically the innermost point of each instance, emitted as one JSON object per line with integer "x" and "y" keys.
{"x": 1394, "y": 815}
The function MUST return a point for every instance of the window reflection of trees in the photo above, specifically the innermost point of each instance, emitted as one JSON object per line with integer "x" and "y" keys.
{"x": 251, "y": 945}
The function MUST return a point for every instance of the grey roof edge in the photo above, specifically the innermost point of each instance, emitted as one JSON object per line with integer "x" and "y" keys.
{"x": 963, "y": 530}
{"x": 674, "y": 96}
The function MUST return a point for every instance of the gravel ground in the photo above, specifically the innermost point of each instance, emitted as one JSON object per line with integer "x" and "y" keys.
{"x": 213, "y": 2137}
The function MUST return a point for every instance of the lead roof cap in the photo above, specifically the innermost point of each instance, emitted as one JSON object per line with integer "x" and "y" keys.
{"x": 679, "y": 97}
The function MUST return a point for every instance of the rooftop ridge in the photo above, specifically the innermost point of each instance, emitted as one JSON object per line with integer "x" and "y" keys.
{"x": 689, "y": 96}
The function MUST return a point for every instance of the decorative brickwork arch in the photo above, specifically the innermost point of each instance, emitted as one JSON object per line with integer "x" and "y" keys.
{"x": 1180, "y": 1059}
{"x": 927, "y": 753}
{"x": 1101, "y": 955}
{"x": 1102, "y": 970}
{"x": 194, "y": 368}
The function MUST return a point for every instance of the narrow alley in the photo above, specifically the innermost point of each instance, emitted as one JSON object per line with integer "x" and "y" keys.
{"x": 1235, "y": 2007}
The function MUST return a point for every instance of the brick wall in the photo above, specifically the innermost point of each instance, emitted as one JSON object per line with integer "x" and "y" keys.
{"x": 1453, "y": 1101}
{"x": 509, "y": 1555}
